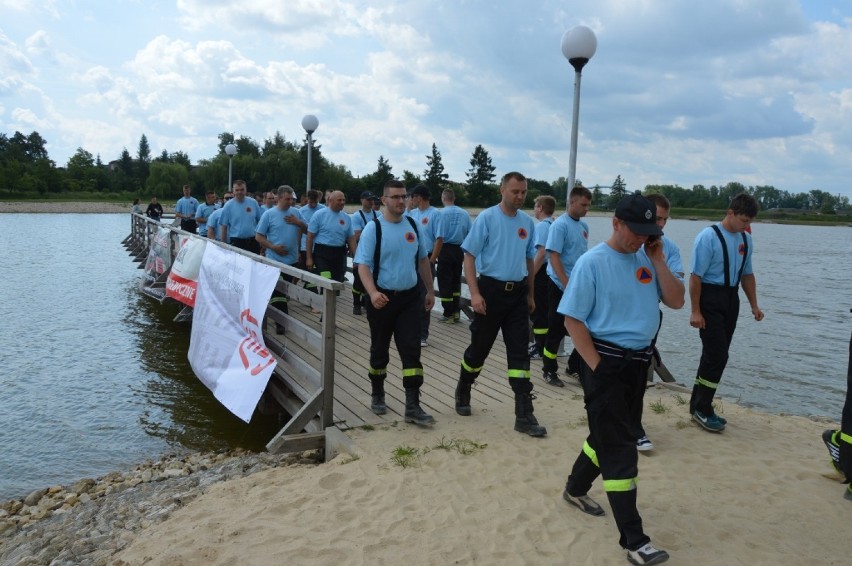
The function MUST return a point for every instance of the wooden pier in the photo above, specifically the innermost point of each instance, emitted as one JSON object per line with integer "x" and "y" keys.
{"x": 321, "y": 379}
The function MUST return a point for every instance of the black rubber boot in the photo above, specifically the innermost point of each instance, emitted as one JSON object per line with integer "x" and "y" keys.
{"x": 377, "y": 400}
{"x": 463, "y": 396}
{"x": 413, "y": 412}
{"x": 525, "y": 420}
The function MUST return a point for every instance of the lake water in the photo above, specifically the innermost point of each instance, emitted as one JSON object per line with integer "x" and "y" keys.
{"x": 94, "y": 376}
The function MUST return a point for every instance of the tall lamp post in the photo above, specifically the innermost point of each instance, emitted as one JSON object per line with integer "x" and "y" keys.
{"x": 310, "y": 124}
{"x": 578, "y": 46}
{"x": 231, "y": 150}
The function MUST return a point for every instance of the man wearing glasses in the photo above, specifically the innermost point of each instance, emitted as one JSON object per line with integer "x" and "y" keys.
{"x": 388, "y": 252}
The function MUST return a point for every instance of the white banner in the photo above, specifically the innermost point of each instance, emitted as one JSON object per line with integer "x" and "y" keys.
{"x": 159, "y": 255}
{"x": 226, "y": 348}
{"x": 182, "y": 283}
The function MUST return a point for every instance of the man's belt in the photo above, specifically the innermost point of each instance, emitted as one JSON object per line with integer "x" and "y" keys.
{"x": 507, "y": 286}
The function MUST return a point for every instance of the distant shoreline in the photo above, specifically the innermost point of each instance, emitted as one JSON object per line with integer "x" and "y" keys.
{"x": 54, "y": 207}
{"x": 86, "y": 207}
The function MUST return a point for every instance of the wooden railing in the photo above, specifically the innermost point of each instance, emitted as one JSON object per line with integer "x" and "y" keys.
{"x": 301, "y": 388}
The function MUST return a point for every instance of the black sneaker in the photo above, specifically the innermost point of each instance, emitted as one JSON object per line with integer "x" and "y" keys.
{"x": 356, "y": 310}
{"x": 584, "y": 503}
{"x": 830, "y": 439}
{"x": 534, "y": 353}
{"x": 279, "y": 328}
{"x": 647, "y": 555}
{"x": 551, "y": 378}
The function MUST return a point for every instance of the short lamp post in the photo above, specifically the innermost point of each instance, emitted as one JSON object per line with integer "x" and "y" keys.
{"x": 231, "y": 150}
{"x": 310, "y": 124}
{"x": 578, "y": 46}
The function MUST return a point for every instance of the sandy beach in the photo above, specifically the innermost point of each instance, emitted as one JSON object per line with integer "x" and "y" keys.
{"x": 762, "y": 492}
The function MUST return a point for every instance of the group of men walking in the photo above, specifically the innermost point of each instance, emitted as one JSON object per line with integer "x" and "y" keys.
{"x": 606, "y": 299}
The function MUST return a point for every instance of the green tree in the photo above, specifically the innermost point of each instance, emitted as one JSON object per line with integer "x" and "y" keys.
{"x": 375, "y": 181}
{"x": 166, "y": 180}
{"x": 617, "y": 191}
{"x": 434, "y": 177}
{"x": 412, "y": 180}
{"x": 480, "y": 176}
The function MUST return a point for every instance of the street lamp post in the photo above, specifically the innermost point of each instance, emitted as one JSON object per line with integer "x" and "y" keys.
{"x": 578, "y": 46}
{"x": 231, "y": 150}
{"x": 310, "y": 124}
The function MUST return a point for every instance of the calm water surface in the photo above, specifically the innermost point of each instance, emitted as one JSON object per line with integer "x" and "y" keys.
{"x": 94, "y": 376}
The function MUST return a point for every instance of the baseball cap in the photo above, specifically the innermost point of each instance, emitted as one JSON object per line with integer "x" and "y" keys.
{"x": 640, "y": 215}
{"x": 366, "y": 194}
{"x": 420, "y": 191}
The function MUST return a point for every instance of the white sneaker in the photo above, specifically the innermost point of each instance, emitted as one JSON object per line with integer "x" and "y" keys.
{"x": 644, "y": 444}
{"x": 423, "y": 343}
{"x": 647, "y": 555}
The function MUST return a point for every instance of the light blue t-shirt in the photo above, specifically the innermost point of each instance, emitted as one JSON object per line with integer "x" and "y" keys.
{"x": 273, "y": 225}
{"x": 361, "y": 218}
{"x": 708, "y": 261}
{"x": 570, "y": 239}
{"x": 204, "y": 211}
{"x": 240, "y": 217}
{"x": 330, "y": 228}
{"x": 673, "y": 260}
{"x": 213, "y": 222}
{"x": 501, "y": 244}
{"x": 540, "y": 236}
{"x": 616, "y": 295}
{"x": 187, "y": 206}
{"x": 400, "y": 246}
{"x": 307, "y": 212}
{"x": 425, "y": 224}
{"x": 452, "y": 224}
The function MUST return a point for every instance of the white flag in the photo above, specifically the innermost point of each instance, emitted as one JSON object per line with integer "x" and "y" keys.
{"x": 226, "y": 348}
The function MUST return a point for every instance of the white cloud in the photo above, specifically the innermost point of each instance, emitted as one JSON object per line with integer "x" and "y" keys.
{"x": 678, "y": 92}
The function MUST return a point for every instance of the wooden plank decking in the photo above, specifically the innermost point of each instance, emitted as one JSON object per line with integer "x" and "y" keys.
{"x": 440, "y": 359}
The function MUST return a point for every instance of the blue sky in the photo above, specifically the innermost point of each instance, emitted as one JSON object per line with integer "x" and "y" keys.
{"x": 682, "y": 92}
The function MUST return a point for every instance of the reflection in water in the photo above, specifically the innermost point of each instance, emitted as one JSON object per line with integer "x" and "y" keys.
{"x": 179, "y": 408}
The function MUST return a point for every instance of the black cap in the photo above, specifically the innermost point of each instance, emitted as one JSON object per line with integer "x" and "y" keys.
{"x": 420, "y": 191}
{"x": 640, "y": 215}
{"x": 367, "y": 194}
{"x": 376, "y": 199}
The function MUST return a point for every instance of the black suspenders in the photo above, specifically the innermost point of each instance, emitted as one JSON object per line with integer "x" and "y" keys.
{"x": 727, "y": 260}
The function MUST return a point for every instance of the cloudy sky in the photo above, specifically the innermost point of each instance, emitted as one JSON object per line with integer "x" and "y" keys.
{"x": 679, "y": 91}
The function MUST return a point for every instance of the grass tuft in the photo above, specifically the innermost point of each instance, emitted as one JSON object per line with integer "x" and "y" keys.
{"x": 659, "y": 407}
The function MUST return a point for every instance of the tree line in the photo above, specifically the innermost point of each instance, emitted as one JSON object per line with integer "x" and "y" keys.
{"x": 26, "y": 171}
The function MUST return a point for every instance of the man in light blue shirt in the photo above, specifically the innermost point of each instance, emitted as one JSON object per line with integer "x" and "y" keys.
{"x": 279, "y": 232}
{"x": 239, "y": 219}
{"x": 204, "y": 211}
{"x": 612, "y": 315}
{"x": 567, "y": 240}
{"x": 424, "y": 215}
{"x": 500, "y": 249}
{"x": 185, "y": 210}
{"x": 721, "y": 261}
{"x": 329, "y": 234}
{"x": 452, "y": 226}
{"x": 388, "y": 252}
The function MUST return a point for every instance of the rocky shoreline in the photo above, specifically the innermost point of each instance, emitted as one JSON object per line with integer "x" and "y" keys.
{"x": 88, "y": 522}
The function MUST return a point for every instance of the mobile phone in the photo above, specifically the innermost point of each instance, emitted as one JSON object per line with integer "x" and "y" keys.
{"x": 652, "y": 239}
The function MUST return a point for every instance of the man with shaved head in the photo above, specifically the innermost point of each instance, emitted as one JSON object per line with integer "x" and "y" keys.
{"x": 329, "y": 233}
